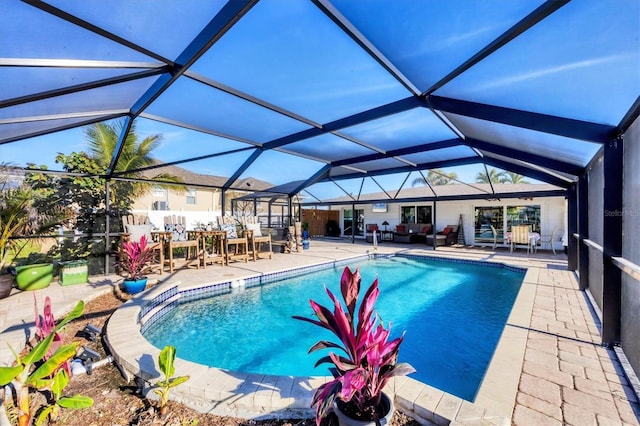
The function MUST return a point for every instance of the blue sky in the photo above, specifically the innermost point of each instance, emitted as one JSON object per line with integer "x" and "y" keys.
{"x": 303, "y": 71}
{"x": 42, "y": 150}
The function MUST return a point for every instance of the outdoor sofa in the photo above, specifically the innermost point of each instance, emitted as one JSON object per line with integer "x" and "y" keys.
{"x": 411, "y": 232}
{"x": 448, "y": 236}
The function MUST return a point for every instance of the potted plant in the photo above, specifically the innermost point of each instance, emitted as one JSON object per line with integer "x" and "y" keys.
{"x": 35, "y": 273}
{"x": 20, "y": 217}
{"x": 134, "y": 260}
{"x": 367, "y": 362}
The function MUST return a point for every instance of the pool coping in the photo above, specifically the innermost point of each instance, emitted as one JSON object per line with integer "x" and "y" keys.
{"x": 258, "y": 396}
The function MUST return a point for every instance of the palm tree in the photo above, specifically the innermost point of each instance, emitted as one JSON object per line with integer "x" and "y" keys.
{"x": 511, "y": 177}
{"x": 435, "y": 177}
{"x": 492, "y": 176}
{"x": 103, "y": 139}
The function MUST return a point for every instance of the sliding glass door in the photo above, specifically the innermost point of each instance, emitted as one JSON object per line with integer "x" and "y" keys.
{"x": 484, "y": 218}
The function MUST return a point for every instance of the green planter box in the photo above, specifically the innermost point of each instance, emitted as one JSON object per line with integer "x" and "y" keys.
{"x": 74, "y": 272}
{"x": 34, "y": 277}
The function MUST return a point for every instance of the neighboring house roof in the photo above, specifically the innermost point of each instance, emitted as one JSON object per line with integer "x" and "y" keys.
{"x": 209, "y": 181}
{"x": 455, "y": 192}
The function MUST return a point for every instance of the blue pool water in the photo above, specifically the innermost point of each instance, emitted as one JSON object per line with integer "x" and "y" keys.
{"x": 453, "y": 314}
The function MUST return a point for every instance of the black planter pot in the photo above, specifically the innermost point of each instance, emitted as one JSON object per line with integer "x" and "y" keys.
{"x": 6, "y": 285}
{"x": 345, "y": 420}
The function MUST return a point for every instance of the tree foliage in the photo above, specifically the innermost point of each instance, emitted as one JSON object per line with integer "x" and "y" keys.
{"x": 496, "y": 176}
{"x": 511, "y": 177}
{"x": 84, "y": 188}
{"x": 436, "y": 177}
{"x": 102, "y": 140}
{"x": 25, "y": 211}
{"x": 492, "y": 176}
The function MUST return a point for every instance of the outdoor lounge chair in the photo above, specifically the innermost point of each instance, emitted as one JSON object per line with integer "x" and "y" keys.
{"x": 447, "y": 237}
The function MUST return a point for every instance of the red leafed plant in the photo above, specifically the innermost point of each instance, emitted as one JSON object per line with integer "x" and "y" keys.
{"x": 46, "y": 325}
{"x": 369, "y": 359}
{"x": 135, "y": 258}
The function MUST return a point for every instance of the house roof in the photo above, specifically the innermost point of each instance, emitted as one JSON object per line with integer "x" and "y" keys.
{"x": 454, "y": 191}
{"x": 204, "y": 180}
{"x": 334, "y": 95}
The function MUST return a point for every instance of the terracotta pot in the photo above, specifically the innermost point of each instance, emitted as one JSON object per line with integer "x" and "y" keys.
{"x": 345, "y": 420}
{"x": 6, "y": 285}
{"x": 134, "y": 286}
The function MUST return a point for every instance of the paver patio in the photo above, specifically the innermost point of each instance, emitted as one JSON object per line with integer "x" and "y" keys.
{"x": 548, "y": 369}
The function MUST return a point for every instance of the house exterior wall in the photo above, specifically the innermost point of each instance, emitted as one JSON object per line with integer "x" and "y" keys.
{"x": 552, "y": 213}
{"x": 206, "y": 208}
{"x": 204, "y": 200}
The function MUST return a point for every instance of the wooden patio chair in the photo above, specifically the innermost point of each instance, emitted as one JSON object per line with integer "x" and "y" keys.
{"x": 235, "y": 247}
{"x": 134, "y": 227}
{"x": 177, "y": 237}
{"x": 212, "y": 245}
{"x": 256, "y": 238}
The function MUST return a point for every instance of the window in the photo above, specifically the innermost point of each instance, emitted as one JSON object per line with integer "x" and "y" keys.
{"x": 407, "y": 214}
{"x": 348, "y": 222}
{"x": 524, "y": 215}
{"x": 159, "y": 192}
{"x": 484, "y": 218}
{"x": 191, "y": 196}
{"x": 424, "y": 214}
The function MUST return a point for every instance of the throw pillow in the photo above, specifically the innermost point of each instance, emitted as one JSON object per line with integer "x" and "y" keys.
{"x": 400, "y": 228}
{"x": 255, "y": 227}
{"x": 137, "y": 231}
{"x": 178, "y": 231}
{"x": 447, "y": 231}
{"x": 426, "y": 229}
{"x": 230, "y": 230}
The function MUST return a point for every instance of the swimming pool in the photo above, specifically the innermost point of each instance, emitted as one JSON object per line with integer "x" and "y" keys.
{"x": 453, "y": 313}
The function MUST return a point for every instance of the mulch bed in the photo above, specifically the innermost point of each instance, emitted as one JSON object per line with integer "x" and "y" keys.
{"x": 117, "y": 402}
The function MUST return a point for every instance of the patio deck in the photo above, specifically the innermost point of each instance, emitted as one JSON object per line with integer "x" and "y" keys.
{"x": 549, "y": 367}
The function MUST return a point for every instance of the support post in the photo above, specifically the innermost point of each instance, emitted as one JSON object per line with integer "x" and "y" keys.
{"x": 572, "y": 227}
{"x": 353, "y": 223}
{"x": 583, "y": 231}
{"x": 433, "y": 228}
{"x": 612, "y": 241}
{"x": 107, "y": 228}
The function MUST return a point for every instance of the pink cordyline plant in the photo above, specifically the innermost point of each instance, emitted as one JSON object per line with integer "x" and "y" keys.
{"x": 135, "y": 257}
{"x": 45, "y": 325}
{"x": 369, "y": 358}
